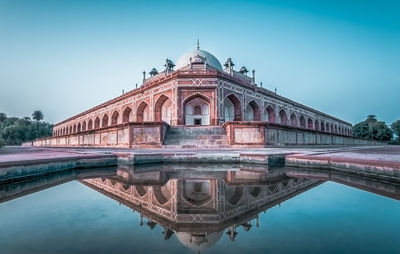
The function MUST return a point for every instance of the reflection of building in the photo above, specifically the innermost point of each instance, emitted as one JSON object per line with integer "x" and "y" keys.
{"x": 198, "y": 208}
{"x": 199, "y": 90}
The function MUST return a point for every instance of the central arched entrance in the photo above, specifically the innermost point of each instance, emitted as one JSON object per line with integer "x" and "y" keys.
{"x": 197, "y": 111}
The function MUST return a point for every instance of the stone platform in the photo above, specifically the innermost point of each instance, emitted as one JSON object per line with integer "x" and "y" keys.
{"x": 372, "y": 161}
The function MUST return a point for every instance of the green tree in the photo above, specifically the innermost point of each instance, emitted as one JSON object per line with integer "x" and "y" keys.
{"x": 396, "y": 129}
{"x": 3, "y": 117}
{"x": 372, "y": 129}
{"x": 37, "y": 116}
{"x": 14, "y": 130}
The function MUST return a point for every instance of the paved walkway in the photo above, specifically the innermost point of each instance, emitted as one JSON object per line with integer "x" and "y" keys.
{"x": 367, "y": 153}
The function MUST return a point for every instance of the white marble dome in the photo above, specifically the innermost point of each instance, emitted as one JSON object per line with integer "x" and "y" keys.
{"x": 210, "y": 59}
{"x": 199, "y": 243}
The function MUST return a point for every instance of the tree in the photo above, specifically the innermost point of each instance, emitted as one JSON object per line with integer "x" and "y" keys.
{"x": 372, "y": 129}
{"x": 396, "y": 129}
{"x": 14, "y": 130}
{"x": 3, "y": 117}
{"x": 380, "y": 131}
{"x": 37, "y": 115}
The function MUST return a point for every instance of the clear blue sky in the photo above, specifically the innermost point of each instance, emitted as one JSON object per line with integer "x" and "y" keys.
{"x": 63, "y": 57}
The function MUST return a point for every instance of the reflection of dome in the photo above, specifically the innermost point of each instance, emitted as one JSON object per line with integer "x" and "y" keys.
{"x": 210, "y": 59}
{"x": 199, "y": 241}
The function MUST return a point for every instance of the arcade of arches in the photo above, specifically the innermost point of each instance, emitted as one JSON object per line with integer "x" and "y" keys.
{"x": 200, "y": 92}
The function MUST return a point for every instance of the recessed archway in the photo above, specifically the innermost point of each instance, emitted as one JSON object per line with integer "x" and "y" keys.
{"x": 84, "y": 126}
{"x": 302, "y": 122}
{"x": 253, "y": 111}
{"x": 232, "y": 108}
{"x": 79, "y": 127}
{"x": 126, "y": 115}
{"x": 310, "y": 124}
{"x": 269, "y": 114}
{"x": 293, "y": 120}
{"x": 197, "y": 111}
{"x": 322, "y": 126}
{"x": 283, "y": 117}
{"x": 104, "y": 122}
{"x": 115, "y": 118}
{"x": 97, "y": 123}
{"x": 163, "y": 109}
{"x": 316, "y": 125}
{"x": 142, "y": 114}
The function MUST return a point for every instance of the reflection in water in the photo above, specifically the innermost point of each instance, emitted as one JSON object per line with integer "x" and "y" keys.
{"x": 200, "y": 204}
{"x": 198, "y": 207}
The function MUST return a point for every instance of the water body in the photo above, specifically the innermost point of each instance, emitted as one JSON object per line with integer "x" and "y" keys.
{"x": 201, "y": 208}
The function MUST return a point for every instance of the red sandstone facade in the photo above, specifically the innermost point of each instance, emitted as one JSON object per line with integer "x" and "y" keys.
{"x": 200, "y": 92}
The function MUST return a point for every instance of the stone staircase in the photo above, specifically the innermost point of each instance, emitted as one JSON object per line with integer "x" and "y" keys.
{"x": 196, "y": 137}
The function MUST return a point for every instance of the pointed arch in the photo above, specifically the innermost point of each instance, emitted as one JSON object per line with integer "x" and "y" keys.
{"x": 163, "y": 109}
{"x": 302, "y": 122}
{"x": 269, "y": 114}
{"x": 293, "y": 119}
{"x": 115, "y": 118}
{"x": 84, "y": 126}
{"x": 104, "y": 121}
{"x": 327, "y": 127}
{"x": 316, "y": 125}
{"x": 90, "y": 125}
{"x": 196, "y": 110}
{"x": 79, "y": 127}
{"x": 126, "y": 115}
{"x": 283, "y": 119}
{"x": 74, "y": 129}
{"x": 97, "y": 123}
{"x": 322, "y": 126}
{"x": 70, "y": 130}
{"x": 142, "y": 114}
{"x": 232, "y": 108}
{"x": 310, "y": 124}
{"x": 253, "y": 111}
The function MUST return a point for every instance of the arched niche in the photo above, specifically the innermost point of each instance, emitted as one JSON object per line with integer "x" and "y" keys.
{"x": 253, "y": 111}
{"x": 163, "y": 109}
{"x": 142, "y": 113}
{"x": 232, "y": 108}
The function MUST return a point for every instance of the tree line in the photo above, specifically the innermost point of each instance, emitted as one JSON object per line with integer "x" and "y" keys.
{"x": 15, "y": 131}
{"x": 372, "y": 129}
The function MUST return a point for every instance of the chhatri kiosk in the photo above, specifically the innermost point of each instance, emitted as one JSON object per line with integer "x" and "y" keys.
{"x": 196, "y": 97}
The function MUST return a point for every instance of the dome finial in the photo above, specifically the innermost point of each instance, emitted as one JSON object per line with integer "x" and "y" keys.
{"x": 198, "y": 44}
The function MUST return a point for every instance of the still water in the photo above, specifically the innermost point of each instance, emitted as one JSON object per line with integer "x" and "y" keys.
{"x": 207, "y": 209}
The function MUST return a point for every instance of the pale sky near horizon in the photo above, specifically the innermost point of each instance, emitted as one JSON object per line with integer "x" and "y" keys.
{"x": 64, "y": 57}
